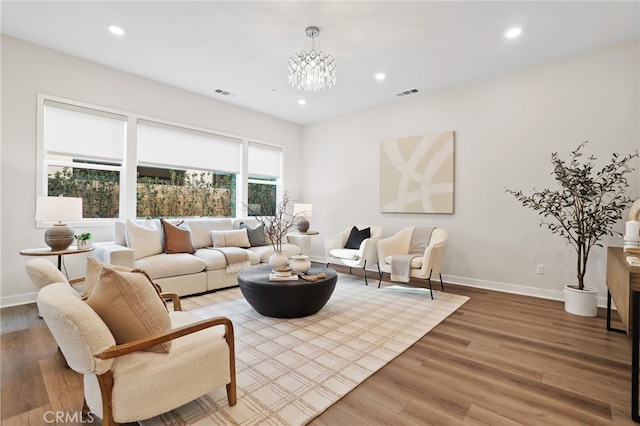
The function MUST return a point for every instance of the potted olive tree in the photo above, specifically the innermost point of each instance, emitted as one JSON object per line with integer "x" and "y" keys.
{"x": 582, "y": 210}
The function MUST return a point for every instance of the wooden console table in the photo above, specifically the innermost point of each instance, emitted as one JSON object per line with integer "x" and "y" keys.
{"x": 623, "y": 285}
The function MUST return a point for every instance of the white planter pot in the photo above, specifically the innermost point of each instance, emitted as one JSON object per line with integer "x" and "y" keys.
{"x": 581, "y": 302}
{"x": 84, "y": 244}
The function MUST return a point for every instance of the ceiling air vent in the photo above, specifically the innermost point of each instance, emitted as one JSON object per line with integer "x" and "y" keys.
{"x": 222, "y": 92}
{"x": 408, "y": 92}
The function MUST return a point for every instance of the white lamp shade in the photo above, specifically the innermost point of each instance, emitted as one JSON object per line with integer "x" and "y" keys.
{"x": 58, "y": 209}
{"x": 301, "y": 209}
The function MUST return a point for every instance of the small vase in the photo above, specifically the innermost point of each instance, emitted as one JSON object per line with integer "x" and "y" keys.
{"x": 278, "y": 260}
{"x": 300, "y": 264}
{"x": 84, "y": 244}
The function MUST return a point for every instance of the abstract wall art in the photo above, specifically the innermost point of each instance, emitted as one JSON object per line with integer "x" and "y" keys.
{"x": 417, "y": 174}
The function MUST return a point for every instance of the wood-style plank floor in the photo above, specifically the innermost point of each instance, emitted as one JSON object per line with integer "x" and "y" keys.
{"x": 501, "y": 359}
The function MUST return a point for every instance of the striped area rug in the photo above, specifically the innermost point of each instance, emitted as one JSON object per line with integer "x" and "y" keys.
{"x": 290, "y": 370}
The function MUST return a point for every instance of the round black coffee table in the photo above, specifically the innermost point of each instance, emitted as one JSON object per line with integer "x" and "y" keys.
{"x": 286, "y": 299}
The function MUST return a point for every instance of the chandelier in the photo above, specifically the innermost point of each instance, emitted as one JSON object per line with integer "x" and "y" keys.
{"x": 312, "y": 71}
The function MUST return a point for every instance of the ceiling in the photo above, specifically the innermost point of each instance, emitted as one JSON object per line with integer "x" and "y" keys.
{"x": 243, "y": 47}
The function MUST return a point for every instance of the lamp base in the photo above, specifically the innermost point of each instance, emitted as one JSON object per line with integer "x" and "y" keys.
{"x": 59, "y": 237}
{"x": 303, "y": 225}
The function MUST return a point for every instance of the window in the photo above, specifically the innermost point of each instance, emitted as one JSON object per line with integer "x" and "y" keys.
{"x": 265, "y": 169}
{"x": 125, "y": 165}
{"x": 83, "y": 156}
{"x": 183, "y": 172}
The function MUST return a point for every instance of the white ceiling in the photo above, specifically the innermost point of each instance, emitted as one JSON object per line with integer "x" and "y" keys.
{"x": 243, "y": 47}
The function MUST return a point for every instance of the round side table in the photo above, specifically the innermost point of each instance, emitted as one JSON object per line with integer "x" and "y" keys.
{"x": 46, "y": 251}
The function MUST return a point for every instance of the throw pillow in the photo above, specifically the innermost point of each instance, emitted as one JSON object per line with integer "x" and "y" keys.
{"x": 130, "y": 306}
{"x": 144, "y": 240}
{"x": 230, "y": 238}
{"x": 177, "y": 238}
{"x": 356, "y": 237}
{"x": 94, "y": 266}
{"x": 256, "y": 235}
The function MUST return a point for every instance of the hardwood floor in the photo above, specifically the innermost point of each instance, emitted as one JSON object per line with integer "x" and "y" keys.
{"x": 501, "y": 359}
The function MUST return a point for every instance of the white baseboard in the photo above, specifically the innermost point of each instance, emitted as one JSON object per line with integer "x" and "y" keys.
{"x": 25, "y": 299}
{"x": 21, "y": 299}
{"x": 498, "y": 286}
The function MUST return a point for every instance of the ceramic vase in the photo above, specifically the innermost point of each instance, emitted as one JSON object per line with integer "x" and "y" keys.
{"x": 278, "y": 260}
{"x": 300, "y": 264}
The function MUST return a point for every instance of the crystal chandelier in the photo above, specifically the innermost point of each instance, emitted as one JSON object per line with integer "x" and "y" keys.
{"x": 312, "y": 71}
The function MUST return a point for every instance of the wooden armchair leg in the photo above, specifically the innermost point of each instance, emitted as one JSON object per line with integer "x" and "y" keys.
{"x": 231, "y": 386}
{"x": 106, "y": 386}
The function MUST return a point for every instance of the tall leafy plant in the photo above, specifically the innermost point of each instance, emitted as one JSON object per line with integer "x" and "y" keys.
{"x": 587, "y": 203}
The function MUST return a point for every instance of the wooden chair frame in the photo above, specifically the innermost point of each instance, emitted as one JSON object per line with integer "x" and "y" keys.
{"x": 106, "y": 380}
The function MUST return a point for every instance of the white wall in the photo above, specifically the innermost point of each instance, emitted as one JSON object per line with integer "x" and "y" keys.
{"x": 506, "y": 129}
{"x": 28, "y": 69}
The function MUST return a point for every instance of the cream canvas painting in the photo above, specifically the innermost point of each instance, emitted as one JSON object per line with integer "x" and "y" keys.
{"x": 416, "y": 174}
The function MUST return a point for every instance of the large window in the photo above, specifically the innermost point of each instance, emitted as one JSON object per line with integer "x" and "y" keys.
{"x": 83, "y": 156}
{"x": 124, "y": 165}
{"x": 184, "y": 172}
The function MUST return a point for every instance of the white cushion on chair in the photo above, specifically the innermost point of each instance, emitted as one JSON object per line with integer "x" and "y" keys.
{"x": 201, "y": 360}
{"x": 416, "y": 262}
{"x": 43, "y": 272}
{"x": 77, "y": 328}
{"x": 350, "y": 254}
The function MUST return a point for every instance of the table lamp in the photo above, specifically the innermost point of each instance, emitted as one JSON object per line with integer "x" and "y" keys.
{"x": 58, "y": 209}
{"x": 303, "y": 211}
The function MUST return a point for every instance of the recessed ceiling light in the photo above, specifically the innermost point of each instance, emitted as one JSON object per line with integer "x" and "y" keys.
{"x": 380, "y": 76}
{"x": 301, "y": 101}
{"x": 115, "y": 29}
{"x": 513, "y": 32}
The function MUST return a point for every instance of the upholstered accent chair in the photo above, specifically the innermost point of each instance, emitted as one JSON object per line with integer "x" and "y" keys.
{"x": 128, "y": 382}
{"x": 423, "y": 265}
{"x": 353, "y": 248}
{"x": 42, "y": 272}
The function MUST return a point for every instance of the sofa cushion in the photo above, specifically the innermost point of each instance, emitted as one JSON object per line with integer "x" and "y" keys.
{"x": 177, "y": 238}
{"x": 130, "y": 306}
{"x": 349, "y": 254}
{"x": 231, "y": 238}
{"x": 256, "y": 234}
{"x": 94, "y": 266}
{"x": 215, "y": 260}
{"x": 165, "y": 265}
{"x": 201, "y": 229}
{"x": 356, "y": 237}
{"x": 143, "y": 239}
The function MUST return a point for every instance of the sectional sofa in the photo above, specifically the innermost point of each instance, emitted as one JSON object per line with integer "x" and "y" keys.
{"x": 179, "y": 254}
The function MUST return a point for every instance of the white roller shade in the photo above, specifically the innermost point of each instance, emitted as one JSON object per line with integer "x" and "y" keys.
{"x": 264, "y": 160}
{"x": 170, "y": 146}
{"x": 79, "y": 132}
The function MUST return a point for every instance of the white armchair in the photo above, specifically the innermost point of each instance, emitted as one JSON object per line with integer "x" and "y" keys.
{"x": 365, "y": 254}
{"x": 421, "y": 266}
{"x": 124, "y": 383}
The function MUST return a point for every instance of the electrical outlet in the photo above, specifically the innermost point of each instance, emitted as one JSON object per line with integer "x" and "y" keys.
{"x": 540, "y": 269}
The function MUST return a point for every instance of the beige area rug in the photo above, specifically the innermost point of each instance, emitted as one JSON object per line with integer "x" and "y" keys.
{"x": 291, "y": 370}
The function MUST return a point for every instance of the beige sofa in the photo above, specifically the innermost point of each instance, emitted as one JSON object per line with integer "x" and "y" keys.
{"x": 183, "y": 273}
